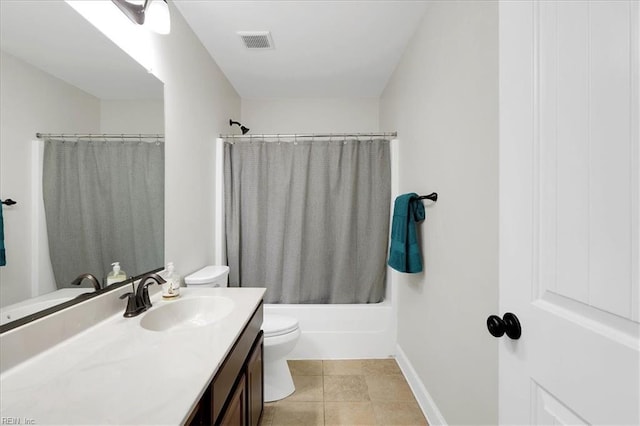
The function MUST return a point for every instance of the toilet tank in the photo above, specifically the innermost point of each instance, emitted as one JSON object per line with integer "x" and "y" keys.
{"x": 209, "y": 276}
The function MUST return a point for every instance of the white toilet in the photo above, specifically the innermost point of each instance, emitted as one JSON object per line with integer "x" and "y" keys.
{"x": 209, "y": 276}
{"x": 281, "y": 334}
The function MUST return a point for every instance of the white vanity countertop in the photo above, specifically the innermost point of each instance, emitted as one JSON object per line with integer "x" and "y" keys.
{"x": 117, "y": 372}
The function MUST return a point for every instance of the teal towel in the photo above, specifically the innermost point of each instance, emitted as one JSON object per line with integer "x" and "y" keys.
{"x": 3, "y": 257}
{"x": 404, "y": 251}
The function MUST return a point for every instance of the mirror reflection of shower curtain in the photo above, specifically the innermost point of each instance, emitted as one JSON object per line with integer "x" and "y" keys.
{"x": 104, "y": 203}
{"x": 308, "y": 220}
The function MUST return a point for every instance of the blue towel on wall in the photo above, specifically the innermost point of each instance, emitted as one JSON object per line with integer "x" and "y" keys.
{"x": 404, "y": 251}
{"x": 3, "y": 257}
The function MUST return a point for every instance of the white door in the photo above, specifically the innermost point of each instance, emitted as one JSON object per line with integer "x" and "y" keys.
{"x": 569, "y": 216}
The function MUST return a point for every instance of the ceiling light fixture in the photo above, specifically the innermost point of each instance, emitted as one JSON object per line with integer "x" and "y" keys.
{"x": 152, "y": 14}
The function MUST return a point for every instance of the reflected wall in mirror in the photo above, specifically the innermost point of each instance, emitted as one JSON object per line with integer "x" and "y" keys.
{"x": 58, "y": 74}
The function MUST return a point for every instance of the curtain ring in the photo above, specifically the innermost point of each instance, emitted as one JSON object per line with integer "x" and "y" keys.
{"x": 295, "y": 139}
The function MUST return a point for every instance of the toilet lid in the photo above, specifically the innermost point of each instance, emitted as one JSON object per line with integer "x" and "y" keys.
{"x": 207, "y": 275}
{"x": 277, "y": 325}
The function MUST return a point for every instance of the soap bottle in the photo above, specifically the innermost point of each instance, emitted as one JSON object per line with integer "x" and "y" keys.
{"x": 171, "y": 289}
{"x": 116, "y": 275}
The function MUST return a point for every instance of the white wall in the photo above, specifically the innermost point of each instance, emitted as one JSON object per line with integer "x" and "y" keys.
{"x": 132, "y": 116}
{"x": 31, "y": 101}
{"x": 443, "y": 100}
{"x": 198, "y": 102}
{"x": 309, "y": 115}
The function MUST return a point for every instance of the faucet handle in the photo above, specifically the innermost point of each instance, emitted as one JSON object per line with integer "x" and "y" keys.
{"x": 133, "y": 308}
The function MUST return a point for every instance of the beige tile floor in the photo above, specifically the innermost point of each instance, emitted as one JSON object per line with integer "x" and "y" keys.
{"x": 346, "y": 392}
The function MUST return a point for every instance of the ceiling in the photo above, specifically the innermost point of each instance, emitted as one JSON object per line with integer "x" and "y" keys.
{"x": 53, "y": 37}
{"x": 322, "y": 48}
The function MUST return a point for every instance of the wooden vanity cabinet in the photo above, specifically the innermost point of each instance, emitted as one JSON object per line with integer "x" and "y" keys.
{"x": 235, "y": 396}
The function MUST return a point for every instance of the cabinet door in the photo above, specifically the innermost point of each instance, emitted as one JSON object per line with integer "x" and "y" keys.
{"x": 235, "y": 415}
{"x": 255, "y": 379}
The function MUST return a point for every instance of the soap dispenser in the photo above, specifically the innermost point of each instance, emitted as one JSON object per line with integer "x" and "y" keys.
{"x": 116, "y": 275}
{"x": 171, "y": 289}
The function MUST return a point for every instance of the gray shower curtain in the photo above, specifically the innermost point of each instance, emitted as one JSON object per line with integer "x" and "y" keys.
{"x": 104, "y": 203}
{"x": 308, "y": 220}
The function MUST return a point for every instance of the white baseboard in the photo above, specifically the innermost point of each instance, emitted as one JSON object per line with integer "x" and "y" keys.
{"x": 426, "y": 403}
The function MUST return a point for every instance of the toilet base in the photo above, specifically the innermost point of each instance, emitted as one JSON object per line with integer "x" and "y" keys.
{"x": 278, "y": 383}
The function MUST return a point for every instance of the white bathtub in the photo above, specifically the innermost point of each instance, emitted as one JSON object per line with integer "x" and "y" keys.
{"x": 341, "y": 331}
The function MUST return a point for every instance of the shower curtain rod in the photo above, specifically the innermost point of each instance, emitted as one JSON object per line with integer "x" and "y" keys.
{"x": 313, "y": 135}
{"x": 155, "y": 137}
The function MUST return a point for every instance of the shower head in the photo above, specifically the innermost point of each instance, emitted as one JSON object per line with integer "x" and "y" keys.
{"x": 242, "y": 128}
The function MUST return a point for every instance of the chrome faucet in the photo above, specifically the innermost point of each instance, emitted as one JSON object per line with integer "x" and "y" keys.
{"x": 82, "y": 277}
{"x": 139, "y": 301}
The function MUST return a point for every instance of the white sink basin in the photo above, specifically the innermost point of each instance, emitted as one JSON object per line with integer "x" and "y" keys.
{"x": 187, "y": 313}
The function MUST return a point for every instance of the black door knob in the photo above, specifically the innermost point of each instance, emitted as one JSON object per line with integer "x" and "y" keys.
{"x": 507, "y": 324}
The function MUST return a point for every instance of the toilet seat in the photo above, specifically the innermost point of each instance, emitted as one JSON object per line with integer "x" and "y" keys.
{"x": 278, "y": 325}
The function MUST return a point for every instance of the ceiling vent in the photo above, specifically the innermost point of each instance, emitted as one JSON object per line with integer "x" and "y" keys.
{"x": 256, "y": 39}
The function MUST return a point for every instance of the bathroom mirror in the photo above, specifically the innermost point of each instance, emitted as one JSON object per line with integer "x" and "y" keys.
{"x": 58, "y": 74}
